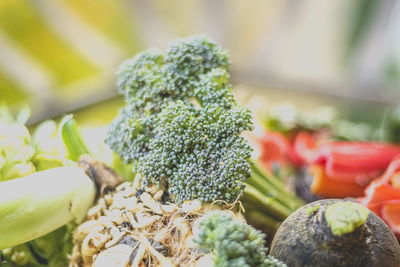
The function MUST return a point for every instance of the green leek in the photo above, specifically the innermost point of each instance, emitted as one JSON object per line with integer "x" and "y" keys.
{"x": 39, "y": 203}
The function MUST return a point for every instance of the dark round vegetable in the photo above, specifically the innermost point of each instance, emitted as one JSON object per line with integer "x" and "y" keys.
{"x": 333, "y": 232}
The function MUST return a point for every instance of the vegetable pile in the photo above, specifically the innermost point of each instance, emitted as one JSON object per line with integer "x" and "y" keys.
{"x": 134, "y": 226}
{"x": 181, "y": 130}
{"x": 181, "y": 126}
{"x": 195, "y": 184}
{"x": 344, "y": 169}
{"x": 21, "y": 155}
{"x": 43, "y": 191}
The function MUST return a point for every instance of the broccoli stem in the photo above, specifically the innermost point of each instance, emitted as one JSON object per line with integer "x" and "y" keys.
{"x": 265, "y": 203}
{"x": 262, "y": 185}
{"x": 266, "y": 195}
{"x": 263, "y": 221}
{"x": 288, "y": 196}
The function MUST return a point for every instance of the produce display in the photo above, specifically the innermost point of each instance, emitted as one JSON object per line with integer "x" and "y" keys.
{"x": 191, "y": 194}
{"x": 191, "y": 151}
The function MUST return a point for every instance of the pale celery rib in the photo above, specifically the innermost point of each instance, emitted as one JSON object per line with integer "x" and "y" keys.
{"x": 37, "y": 204}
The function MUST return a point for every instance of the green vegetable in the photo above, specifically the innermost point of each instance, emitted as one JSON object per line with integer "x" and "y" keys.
{"x": 344, "y": 217}
{"x": 267, "y": 200}
{"x": 42, "y": 202}
{"x": 34, "y": 204}
{"x": 232, "y": 242}
{"x": 49, "y": 250}
{"x": 73, "y": 141}
{"x": 16, "y": 149}
{"x": 181, "y": 130}
{"x": 23, "y": 155}
{"x": 181, "y": 126}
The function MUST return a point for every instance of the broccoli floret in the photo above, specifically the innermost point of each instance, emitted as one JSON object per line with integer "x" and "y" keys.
{"x": 149, "y": 80}
{"x": 181, "y": 126}
{"x": 140, "y": 80}
{"x": 187, "y": 59}
{"x": 232, "y": 242}
{"x": 199, "y": 152}
{"x": 194, "y": 69}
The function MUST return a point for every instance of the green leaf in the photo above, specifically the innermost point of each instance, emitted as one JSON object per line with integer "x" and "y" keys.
{"x": 69, "y": 131}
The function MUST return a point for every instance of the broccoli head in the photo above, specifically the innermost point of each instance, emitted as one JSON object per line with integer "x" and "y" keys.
{"x": 150, "y": 80}
{"x": 181, "y": 126}
{"x": 232, "y": 242}
{"x": 199, "y": 152}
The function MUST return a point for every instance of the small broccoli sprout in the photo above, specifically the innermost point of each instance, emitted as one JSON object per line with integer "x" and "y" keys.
{"x": 181, "y": 127}
{"x": 232, "y": 242}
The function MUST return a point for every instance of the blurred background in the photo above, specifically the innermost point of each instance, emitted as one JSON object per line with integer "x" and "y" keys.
{"x": 61, "y": 56}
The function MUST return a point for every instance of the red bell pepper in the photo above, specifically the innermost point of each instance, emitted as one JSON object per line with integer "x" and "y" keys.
{"x": 340, "y": 169}
{"x": 277, "y": 148}
{"x": 306, "y": 146}
{"x": 345, "y": 168}
{"x": 391, "y": 215}
{"x": 356, "y": 162}
{"x": 383, "y": 197}
{"x": 274, "y": 146}
{"x": 323, "y": 185}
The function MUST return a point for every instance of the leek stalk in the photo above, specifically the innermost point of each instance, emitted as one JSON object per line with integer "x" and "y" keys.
{"x": 39, "y": 203}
